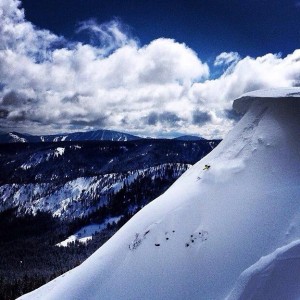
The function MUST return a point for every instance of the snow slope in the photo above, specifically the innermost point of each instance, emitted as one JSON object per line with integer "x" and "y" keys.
{"x": 195, "y": 240}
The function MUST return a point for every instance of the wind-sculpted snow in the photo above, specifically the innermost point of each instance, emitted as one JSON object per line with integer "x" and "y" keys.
{"x": 237, "y": 204}
{"x": 275, "y": 276}
{"x": 243, "y": 103}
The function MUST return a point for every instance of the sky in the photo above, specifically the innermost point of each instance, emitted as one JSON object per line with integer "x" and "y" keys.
{"x": 151, "y": 68}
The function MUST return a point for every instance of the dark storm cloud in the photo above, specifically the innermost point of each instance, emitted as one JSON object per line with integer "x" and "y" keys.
{"x": 12, "y": 99}
{"x": 169, "y": 117}
{"x": 71, "y": 99}
{"x": 17, "y": 107}
{"x": 152, "y": 118}
{"x": 3, "y": 113}
{"x": 98, "y": 122}
{"x": 15, "y": 99}
{"x": 201, "y": 117}
{"x": 164, "y": 118}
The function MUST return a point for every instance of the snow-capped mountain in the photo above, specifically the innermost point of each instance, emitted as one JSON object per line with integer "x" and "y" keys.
{"x": 97, "y": 135}
{"x": 239, "y": 203}
{"x": 73, "y": 179}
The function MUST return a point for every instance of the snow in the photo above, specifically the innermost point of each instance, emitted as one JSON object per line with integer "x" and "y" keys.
{"x": 40, "y": 157}
{"x": 86, "y": 233}
{"x": 195, "y": 240}
{"x": 35, "y": 160}
{"x": 275, "y": 276}
{"x": 17, "y": 138}
{"x": 242, "y": 104}
{"x": 65, "y": 200}
{"x": 274, "y": 93}
{"x": 59, "y": 151}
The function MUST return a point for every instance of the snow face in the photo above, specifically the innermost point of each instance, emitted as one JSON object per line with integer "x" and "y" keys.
{"x": 239, "y": 203}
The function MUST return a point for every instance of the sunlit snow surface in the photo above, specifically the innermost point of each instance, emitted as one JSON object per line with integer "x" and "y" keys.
{"x": 194, "y": 241}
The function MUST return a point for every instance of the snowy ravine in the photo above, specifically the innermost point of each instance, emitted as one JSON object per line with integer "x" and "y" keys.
{"x": 196, "y": 240}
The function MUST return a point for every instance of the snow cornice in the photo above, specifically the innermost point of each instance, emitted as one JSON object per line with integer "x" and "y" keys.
{"x": 242, "y": 104}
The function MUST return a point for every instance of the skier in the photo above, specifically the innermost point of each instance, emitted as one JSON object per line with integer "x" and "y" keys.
{"x": 206, "y": 167}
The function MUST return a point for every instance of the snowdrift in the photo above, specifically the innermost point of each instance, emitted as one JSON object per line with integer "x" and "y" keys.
{"x": 239, "y": 203}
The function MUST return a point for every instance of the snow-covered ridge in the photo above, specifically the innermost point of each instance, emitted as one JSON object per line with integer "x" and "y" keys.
{"x": 41, "y": 157}
{"x": 236, "y": 205}
{"x": 16, "y": 138}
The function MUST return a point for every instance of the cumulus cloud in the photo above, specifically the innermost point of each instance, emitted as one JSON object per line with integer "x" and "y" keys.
{"x": 48, "y": 84}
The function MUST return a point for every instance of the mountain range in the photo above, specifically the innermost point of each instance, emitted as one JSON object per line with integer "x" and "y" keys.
{"x": 97, "y": 135}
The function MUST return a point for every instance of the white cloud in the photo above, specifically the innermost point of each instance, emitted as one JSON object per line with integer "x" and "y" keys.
{"x": 155, "y": 89}
{"x": 226, "y": 58}
{"x": 111, "y": 35}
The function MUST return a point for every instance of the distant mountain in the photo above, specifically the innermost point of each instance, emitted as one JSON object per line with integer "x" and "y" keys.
{"x": 189, "y": 138}
{"x": 97, "y": 135}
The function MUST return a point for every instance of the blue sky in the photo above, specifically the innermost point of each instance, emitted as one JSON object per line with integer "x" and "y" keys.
{"x": 249, "y": 27}
{"x": 154, "y": 68}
